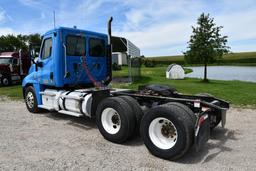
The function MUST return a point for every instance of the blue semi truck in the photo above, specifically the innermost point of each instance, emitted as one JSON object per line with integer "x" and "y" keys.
{"x": 72, "y": 74}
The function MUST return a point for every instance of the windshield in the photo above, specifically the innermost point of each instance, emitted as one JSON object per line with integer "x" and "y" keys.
{"x": 5, "y": 60}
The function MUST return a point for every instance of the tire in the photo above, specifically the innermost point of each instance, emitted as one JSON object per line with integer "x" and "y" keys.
{"x": 30, "y": 100}
{"x": 189, "y": 112}
{"x": 115, "y": 119}
{"x": 137, "y": 111}
{"x": 153, "y": 131}
{"x": 6, "y": 81}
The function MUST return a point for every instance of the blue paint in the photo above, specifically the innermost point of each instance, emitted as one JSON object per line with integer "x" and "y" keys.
{"x": 52, "y": 74}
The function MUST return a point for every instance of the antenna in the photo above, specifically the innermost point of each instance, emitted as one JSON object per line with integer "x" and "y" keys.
{"x": 54, "y": 19}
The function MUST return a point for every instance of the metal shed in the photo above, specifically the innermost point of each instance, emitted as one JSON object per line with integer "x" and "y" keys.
{"x": 124, "y": 46}
{"x": 175, "y": 71}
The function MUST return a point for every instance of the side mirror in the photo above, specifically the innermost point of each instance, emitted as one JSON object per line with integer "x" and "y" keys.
{"x": 32, "y": 55}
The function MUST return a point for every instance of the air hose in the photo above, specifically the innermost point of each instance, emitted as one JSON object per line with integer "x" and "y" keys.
{"x": 89, "y": 74}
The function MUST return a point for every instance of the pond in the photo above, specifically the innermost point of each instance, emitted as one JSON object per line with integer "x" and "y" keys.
{"x": 242, "y": 73}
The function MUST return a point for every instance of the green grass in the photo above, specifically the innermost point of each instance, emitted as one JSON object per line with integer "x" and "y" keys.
{"x": 13, "y": 92}
{"x": 145, "y": 71}
{"x": 241, "y": 59}
{"x": 237, "y": 92}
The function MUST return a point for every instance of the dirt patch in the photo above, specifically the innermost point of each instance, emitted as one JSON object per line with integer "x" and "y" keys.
{"x": 54, "y": 141}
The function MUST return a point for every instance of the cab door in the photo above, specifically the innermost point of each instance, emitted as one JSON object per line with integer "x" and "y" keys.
{"x": 97, "y": 57}
{"x": 46, "y": 64}
{"x": 74, "y": 51}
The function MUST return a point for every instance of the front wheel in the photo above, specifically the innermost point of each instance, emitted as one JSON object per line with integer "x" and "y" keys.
{"x": 167, "y": 131}
{"x": 30, "y": 100}
{"x": 6, "y": 81}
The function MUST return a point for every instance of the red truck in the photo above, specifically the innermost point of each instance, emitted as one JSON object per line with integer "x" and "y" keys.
{"x": 14, "y": 67}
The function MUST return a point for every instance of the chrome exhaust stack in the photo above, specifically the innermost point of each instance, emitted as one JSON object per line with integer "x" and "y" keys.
{"x": 109, "y": 30}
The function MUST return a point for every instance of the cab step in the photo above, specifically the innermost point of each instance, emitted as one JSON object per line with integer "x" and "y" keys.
{"x": 46, "y": 107}
{"x": 70, "y": 113}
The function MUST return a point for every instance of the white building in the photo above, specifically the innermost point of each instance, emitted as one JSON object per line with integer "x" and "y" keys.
{"x": 175, "y": 71}
{"x": 119, "y": 58}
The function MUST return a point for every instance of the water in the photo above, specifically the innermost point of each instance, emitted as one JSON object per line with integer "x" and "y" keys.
{"x": 242, "y": 73}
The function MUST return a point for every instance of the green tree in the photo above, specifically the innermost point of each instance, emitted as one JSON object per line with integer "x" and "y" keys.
{"x": 24, "y": 42}
{"x": 206, "y": 44}
{"x": 11, "y": 43}
{"x": 34, "y": 41}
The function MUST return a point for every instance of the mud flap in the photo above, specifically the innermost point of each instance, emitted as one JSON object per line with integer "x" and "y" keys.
{"x": 223, "y": 118}
{"x": 202, "y": 131}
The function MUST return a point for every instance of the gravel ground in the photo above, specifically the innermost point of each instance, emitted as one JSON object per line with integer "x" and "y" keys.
{"x": 51, "y": 141}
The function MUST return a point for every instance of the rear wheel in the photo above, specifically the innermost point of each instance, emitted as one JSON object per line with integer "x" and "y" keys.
{"x": 30, "y": 100}
{"x": 137, "y": 111}
{"x": 115, "y": 119}
{"x": 167, "y": 131}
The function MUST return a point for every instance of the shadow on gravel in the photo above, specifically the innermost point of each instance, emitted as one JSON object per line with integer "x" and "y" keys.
{"x": 87, "y": 124}
{"x": 82, "y": 122}
{"x": 217, "y": 143}
{"x": 134, "y": 141}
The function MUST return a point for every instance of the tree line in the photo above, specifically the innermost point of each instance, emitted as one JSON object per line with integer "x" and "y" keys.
{"x": 9, "y": 43}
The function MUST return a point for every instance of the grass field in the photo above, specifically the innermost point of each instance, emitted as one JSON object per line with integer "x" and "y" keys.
{"x": 242, "y": 58}
{"x": 14, "y": 92}
{"x": 237, "y": 92}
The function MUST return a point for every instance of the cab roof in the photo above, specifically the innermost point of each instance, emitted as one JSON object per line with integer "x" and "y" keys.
{"x": 75, "y": 31}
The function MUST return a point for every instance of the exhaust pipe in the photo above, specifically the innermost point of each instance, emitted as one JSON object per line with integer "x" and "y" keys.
{"x": 109, "y": 55}
{"x": 109, "y": 30}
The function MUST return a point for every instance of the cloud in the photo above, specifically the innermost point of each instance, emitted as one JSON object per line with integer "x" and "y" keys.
{"x": 238, "y": 25}
{"x": 6, "y": 31}
{"x": 162, "y": 25}
{"x": 31, "y": 3}
{"x": 158, "y": 27}
{"x": 4, "y": 17}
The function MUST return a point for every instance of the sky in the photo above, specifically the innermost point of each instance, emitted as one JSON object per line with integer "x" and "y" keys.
{"x": 157, "y": 27}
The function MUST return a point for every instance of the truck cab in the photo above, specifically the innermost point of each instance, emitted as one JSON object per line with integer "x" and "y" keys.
{"x": 70, "y": 58}
{"x": 13, "y": 67}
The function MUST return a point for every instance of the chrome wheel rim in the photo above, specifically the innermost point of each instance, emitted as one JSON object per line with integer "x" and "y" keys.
{"x": 30, "y": 100}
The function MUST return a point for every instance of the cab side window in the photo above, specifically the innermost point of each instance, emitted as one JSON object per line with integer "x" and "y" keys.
{"x": 96, "y": 47}
{"x": 75, "y": 45}
{"x": 47, "y": 48}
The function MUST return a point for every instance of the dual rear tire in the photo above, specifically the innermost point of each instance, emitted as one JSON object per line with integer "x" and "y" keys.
{"x": 117, "y": 118}
{"x": 167, "y": 130}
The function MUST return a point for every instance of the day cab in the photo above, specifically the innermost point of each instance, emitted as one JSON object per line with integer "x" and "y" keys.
{"x": 69, "y": 58}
